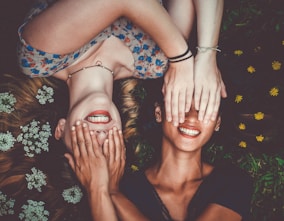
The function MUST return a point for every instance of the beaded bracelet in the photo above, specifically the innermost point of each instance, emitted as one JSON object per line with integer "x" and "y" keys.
{"x": 204, "y": 49}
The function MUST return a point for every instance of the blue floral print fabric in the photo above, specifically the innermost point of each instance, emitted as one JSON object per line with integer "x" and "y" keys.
{"x": 149, "y": 60}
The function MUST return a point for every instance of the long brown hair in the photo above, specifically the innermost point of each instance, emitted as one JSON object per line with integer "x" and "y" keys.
{"x": 14, "y": 164}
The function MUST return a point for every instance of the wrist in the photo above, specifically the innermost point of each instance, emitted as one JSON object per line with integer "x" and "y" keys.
{"x": 207, "y": 49}
{"x": 103, "y": 190}
{"x": 115, "y": 195}
{"x": 207, "y": 53}
{"x": 181, "y": 57}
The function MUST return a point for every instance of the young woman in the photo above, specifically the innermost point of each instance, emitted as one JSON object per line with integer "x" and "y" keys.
{"x": 36, "y": 181}
{"x": 179, "y": 186}
{"x": 90, "y": 43}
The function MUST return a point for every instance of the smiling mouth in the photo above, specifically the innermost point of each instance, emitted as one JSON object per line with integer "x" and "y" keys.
{"x": 98, "y": 117}
{"x": 189, "y": 132}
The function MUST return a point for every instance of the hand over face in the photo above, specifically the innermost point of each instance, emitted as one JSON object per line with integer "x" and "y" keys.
{"x": 114, "y": 151}
{"x": 178, "y": 90}
{"x": 97, "y": 166}
{"x": 201, "y": 81}
{"x": 209, "y": 87}
{"x": 88, "y": 161}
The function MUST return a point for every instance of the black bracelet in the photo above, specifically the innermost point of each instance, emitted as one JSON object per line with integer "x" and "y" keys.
{"x": 180, "y": 56}
{"x": 181, "y": 59}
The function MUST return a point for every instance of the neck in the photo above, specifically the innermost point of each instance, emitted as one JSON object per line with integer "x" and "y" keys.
{"x": 88, "y": 81}
{"x": 178, "y": 166}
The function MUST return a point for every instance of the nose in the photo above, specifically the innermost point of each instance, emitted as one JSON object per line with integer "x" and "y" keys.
{"x": 192, "y": 115}
{"x": 101, "y": 136}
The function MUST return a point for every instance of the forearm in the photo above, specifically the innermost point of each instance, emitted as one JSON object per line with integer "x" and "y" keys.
{"x": 156, "y": 21}
{"x": 209, "y": 17}
{"x": 182, "y": 13}
{"x": 125, "y": 209}
{"x": 101, "y": 206}
{"x": 72, "y": 23}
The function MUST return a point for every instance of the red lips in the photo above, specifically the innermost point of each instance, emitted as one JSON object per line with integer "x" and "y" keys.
{"x": 98, "y": 117}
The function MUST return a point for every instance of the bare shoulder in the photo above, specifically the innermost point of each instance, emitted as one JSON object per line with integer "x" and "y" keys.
{"x": 216, "y": 212}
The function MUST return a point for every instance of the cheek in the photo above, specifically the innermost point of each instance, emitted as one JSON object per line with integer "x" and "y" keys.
{"x": 170, "y": 131}
{"x": 116, "y": 117}
{"x": 67, "y": 140}
{"x": 208, "y": 133}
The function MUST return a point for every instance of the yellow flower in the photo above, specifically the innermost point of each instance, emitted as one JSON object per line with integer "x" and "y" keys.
{"x": 242, "y": 126}
{"x": 259, "y": 116}
{"x": 238, "y": 52}
{"x": 259, "y": 138}
{"x": 134, "y": 167}
{"x": 243, "y": 144}
{"x": 251, "y": 69}
{"x": 276, "y": 65}
{"x": 274, "y": 91}
{"x": 238, "y": 98}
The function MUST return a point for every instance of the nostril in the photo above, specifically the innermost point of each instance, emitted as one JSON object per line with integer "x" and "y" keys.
{"x": 101, "y": 136}
{"x": 100, "y": 131}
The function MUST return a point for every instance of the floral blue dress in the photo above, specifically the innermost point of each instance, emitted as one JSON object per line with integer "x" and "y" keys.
{"x": 149, "y": 60}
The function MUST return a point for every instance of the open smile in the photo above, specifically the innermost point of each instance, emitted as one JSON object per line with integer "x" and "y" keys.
{"x": 98, "y": 117}
{"x": 189, "y": 131}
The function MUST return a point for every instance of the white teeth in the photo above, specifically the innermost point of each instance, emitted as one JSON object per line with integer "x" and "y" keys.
{"x": 189, "y": 132}
{"x": 98, "y": 119}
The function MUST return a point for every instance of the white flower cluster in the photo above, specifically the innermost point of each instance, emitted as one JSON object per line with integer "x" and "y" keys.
{"x": 33, "y": 211}
{"x": 45, "y": 94}
{"x": 6, "y": 206}
{"x": 6, "y": 141}
{"x": 36, "y": 179}
{"x": 34, "y": 138}
{"x": 73, "y": 194}
{"x": 7, "y": 102}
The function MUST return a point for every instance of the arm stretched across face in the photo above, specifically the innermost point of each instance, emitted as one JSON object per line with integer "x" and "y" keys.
{"x": 208, "y": 84}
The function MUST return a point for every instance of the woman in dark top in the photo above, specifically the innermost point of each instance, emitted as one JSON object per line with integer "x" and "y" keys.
{"x": 227, "y": 187}
{"x": 179, "y": 185}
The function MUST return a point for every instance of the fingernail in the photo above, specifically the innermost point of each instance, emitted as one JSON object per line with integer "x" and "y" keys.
{"x": 78, "y": 122}
{"x": 73, "y": 128}
{"x": 115, "y": 128}
{"x": 110, "y": 132}
{"x": 119, "y": 131}
{"x": 84, "y": 125}
{"x": 92, "y": 132}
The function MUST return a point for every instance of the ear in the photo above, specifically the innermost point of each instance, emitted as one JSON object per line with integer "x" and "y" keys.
{"x": 59, "y": 130}
{"x": 158, "y": 113}
{"x": 218, "y": 123}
